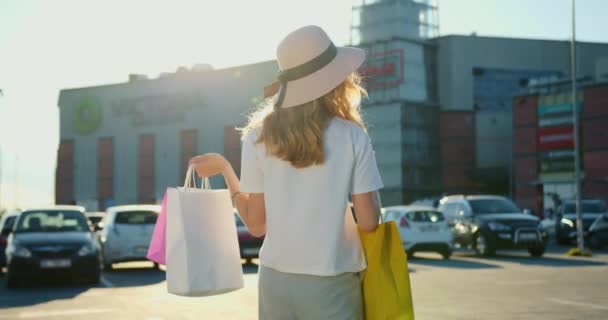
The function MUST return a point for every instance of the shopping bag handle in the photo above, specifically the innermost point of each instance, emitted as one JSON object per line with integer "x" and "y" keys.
{"x": 190, "y": 180}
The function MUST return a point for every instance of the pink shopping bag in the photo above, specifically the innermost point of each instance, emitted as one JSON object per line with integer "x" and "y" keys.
{"x": 156, "y": 250}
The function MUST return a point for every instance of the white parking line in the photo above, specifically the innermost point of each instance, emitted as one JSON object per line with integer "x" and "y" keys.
{"x": 106, "y": 283}
{"x": 60, "y": 313}
{"x": 578, "y": 304}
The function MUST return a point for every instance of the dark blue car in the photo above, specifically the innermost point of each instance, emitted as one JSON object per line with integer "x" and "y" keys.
{"x": 50, "y": 243}
{"x": 6, "y": 225}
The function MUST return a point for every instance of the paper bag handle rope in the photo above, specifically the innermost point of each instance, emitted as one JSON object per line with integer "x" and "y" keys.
{"x": 190, "y": 180}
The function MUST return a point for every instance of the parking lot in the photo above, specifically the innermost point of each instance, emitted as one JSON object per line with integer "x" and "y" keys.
{"x": 510, "y": 285}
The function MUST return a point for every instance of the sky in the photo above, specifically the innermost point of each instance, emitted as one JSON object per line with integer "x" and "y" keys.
{"x": 46, "y": 46}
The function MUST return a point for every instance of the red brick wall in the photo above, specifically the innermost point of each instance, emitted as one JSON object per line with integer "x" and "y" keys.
{"x": 595, "y": 134}
{"x": 524, "y": 111}
{"x": 64, "y": 173}
{"x": 595, "y": 102}
{"x": 457, "y": 135}
{"x": 146, "y": 169}
{"x": 595, "y": 141}
{"x": 524, "y": 141}
{"x": 525, "y": 157}
{"x": 188, "y": 149}
{"x": 105, "y": 170}
{"x": 232, "y": 147}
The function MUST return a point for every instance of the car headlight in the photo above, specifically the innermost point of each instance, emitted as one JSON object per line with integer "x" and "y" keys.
{"x": 497, "y": 226}
{"x": 567, "y": 222}
{"x": 86, "y": 250}
{"x": 19, "y": 251}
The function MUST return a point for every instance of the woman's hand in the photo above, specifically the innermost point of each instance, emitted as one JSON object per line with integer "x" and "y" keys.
{"x": 209, "y": 164}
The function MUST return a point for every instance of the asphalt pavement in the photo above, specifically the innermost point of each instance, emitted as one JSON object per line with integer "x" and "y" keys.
{"x": 510, "y": 286}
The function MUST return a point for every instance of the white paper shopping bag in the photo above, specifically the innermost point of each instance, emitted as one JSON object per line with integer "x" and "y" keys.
{"x": 202, "y": 247}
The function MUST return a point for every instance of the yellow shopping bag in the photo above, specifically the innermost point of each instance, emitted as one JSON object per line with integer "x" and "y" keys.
{"x": 386, "y": 282}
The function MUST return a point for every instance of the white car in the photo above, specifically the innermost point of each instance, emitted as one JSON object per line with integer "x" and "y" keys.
{"x": 422, "y": 229}
{"x": 127, "y": 233}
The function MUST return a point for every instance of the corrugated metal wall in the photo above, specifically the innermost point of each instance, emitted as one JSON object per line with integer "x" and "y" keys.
{"x": 64, "y": 174}
{"x": 595, "y": 141}
{"x": 528, "y": 193}
{"x": 457, "y": 136}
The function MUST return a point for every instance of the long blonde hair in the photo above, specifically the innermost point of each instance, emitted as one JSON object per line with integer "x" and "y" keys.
{"x": 295, "y": 134}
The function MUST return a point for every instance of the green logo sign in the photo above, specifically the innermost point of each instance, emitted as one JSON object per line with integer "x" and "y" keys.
{"x": 87, "y": 116}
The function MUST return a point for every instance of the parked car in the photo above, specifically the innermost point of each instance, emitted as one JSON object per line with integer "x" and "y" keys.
{"x": 428, "y": 202}
{"x": 96, "y": 220}
{"x": 127, "y": 233}
{"x": 488, "y": 223}
{"x": 565, "y": 225}
{"x": 52, "y": 242}
{"x": 248, "y": 244}
{"x": 597, "y": 237}
{"x": 422, "y": 228}
{"x": 6, "y": 226}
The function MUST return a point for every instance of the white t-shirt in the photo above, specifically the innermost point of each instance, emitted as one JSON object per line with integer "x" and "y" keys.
{"x": 308, "y": 227}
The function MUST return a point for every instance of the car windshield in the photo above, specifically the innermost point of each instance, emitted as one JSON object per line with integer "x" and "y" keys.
{"x": 425, "y": 216}
{"x": 52, "y": 221}
{"x": 136, "y": 217}
{"x": 586, "y": 207}
{"x": 490, "y": 206}
{"x": 10, "y": 221}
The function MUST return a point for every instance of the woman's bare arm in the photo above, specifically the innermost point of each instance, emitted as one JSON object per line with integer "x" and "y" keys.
{"x": 250, "y": 206}
{"x": 367, "y": 210}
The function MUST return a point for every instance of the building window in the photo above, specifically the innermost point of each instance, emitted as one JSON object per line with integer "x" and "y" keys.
{"x": 188, "y": 149}
{"x": 64, "y": 174}
{"x": 146, "y": 169}
{"x": 105, "y": 171}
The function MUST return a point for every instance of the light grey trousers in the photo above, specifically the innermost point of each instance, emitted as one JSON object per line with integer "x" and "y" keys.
{"x": 287, "y": 296}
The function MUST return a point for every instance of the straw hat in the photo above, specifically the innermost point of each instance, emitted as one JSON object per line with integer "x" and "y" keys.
{"x": 311, "y": 66}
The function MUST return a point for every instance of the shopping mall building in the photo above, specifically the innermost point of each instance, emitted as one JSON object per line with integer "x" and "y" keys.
{"x": 440, "y": 112}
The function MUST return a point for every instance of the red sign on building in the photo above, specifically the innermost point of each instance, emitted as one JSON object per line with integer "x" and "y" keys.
{"x": 383, "y": 69}
{"x": 555, "y": 138}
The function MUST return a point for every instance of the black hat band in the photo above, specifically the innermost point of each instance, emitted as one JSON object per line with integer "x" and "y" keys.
{"x": 304, "y": 70}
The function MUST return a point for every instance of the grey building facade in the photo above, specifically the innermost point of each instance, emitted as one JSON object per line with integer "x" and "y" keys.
{"x": 125, "y": 143}
{"x": 439, "y": 112}
{"x": 481, "y": 75}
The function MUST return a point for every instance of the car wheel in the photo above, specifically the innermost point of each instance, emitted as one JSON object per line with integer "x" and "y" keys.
{"x": 11, "y": 282}
{"x": 483, "y": 246}
{"x": 536, "y": 251}
{"x": 446, "y": 254}
{"x": 94, "y": 279}
{"x": 594, "y": 242}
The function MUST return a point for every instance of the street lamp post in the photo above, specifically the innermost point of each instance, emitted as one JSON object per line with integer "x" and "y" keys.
{"x": 577, "y": 160}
